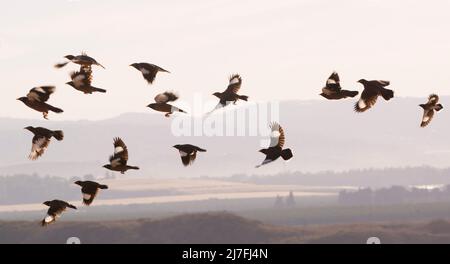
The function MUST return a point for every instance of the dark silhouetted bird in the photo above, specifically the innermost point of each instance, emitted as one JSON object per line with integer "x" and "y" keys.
{"x": 148, "y": 70}
{"x": 82, "y": 81}
{"x": 57, "y": 207}
{"x": 41, "y": 140}
{"x": 118, "y": 161}
{"x": 372, "y": 89}
{"x": 275, "y": 150}
{"x": 82, "y": 59}
{"x": 188, "y": 153}
{"x": 89, "y": 189}
{"x": 333, "y": 90}
{"x": 36, "y": 99}
{"x": 429, "y": 108}
{"x": 162, "y": 105}
{"x": 230, "y": 94}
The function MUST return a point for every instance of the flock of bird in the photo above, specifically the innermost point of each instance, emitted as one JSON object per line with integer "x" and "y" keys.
{"x": 81, "y": 80}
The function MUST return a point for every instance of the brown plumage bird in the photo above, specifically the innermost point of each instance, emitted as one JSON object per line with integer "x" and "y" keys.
{"x": 188, "y": 153}
{"x": 57, "y": 207}
{"x": 36, "y": 99}
{"x": 369, "y": 96}
{"x": 162, "y": 104}
{"x": 148, "y": 70}
{"x": 41, "y": 140}
{"x": 118, "y": 161}
{"x": 333, "y": 90}
{"x": 231, "y": 93}
{"x": 275, "y": 150}
{"x": 90, "y": 189}
{"x": 83, "y": 60}
{"x": 82, "y": 81}
{"x": 429, "y": 108}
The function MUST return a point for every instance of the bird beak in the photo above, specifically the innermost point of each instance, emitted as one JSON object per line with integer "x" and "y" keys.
{"x": 18, "y": 99}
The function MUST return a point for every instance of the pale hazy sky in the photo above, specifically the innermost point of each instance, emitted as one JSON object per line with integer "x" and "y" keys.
{"x": 283, "y": 49}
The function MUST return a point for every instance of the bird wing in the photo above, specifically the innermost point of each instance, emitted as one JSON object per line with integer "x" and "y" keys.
{"x": 368, "y": 99}
{"x": 166, "y": 97}
{"x": 234, "y": 84}
{"x": 41, "y": 94}
{"x": 433, "y": 99}
{"x": 333, "y": 83}
{"x": 188, "y": 158}
{"x": 89, "y": 193}
{"x": 277, "y": 137}
{"x": 427, "y": 117}
{"x": 149, "y": 72}
{"x": 120, "y": 152}
{"x": 39, "y": 145}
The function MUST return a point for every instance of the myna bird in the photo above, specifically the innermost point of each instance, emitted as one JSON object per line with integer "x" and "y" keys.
{"x": 148, "y": 70}
{"x": 188, "y": 153}
{"x": 82, "y": 59}
{"x": 230, "y": 94}
{"x": 89, "y": 189}
{"x": 275, "y": 150}
{"x": 333, "y": 90}
{"x": 36, "y": 99}
{"x": 82, "y": 81}
{"x": 162, "y": 105}
{"x": 57, "y": 207}
{"x": 118, "y": 161}
{"x": 429, "y": 108}
{"x": 41, "y": 140}
{"x": 372, "y": 89}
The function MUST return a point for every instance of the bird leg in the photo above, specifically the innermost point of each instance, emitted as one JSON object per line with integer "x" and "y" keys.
{"x": 168, "y": 114}
{"x": 45, "y": 114}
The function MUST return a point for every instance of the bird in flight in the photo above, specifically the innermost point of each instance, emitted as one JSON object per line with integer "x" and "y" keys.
{"x": 369, "y": 96}
{"x": 231, "y": 93}
{"x": 162, "y": 103}
{"x": 36, "y": 99}
{"x": 90, "y": 189}
{"x": 41, "y": 140}
{"x": 429, "y": 108}
{"x": 333, "y": 90}
{"x": 83, "y": 60}
{"x": 275, "y": 150}
{"x": 57, "y": 207}
{"x": 82, "y": 81}
{"x": 188, "y": 153}
{"x": 148, "y": 70}
{"x": 118, "y": 161}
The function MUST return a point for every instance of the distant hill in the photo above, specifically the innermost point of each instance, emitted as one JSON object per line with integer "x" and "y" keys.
{"x": 218, "y": 228}
{"x": 324, "y": 136}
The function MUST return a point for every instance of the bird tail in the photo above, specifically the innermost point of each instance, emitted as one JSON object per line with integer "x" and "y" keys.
{"x": 387, "y": 94}
{"x": 58, "y": 134}
{"x": 350, "y": 93}
{"x": 243, "y": 97}
{"x": 201, "y": 150}
{"x": 163, "y": 70}
{"x": 72, "y": 206}
{"x": 95, "y": 89}
{"x": 98, "y": 64}
{"x": 287, "y": 154}
{"x": 55, "y": 109}
{"x": 132, "y": 168}
{"x": 439, "y": 107}
{"x": 103, "y": 187}
{"x": 61, "y": 65}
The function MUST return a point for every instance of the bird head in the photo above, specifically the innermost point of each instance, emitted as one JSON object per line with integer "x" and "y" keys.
{"x": 71, "y": 84}
{"x": 79, "y": 183}
{"x": 264, "y": 151}
{"x": 22, "y": 99}
{"x": 47, "y": 203}
{"x": 362, "y": 81}
{"x": 70, "y": 57}
{"x": 177, "y": 146}
{"x": 423, "y": 106}
{"x": 217, "y": 94}
{"x": 107, "y": 166}
{"x": 29, "y": 128}
{"x": 134, "y": 65}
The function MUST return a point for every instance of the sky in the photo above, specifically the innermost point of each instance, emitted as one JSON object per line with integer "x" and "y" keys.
{"x": 284, "y": 50}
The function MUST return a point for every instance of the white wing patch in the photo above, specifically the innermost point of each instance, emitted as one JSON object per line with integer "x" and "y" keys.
{"x": 49, "y": 219}
{"x": 183, "y": 154}
{"x": 86, "y": 196}
{"x": 275, "y": 135}
{"x": 39, "y": 90}
{"x": 118, "y": 149}
{"x": 331, "y": 81}
{"x": 362, "y": 104}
